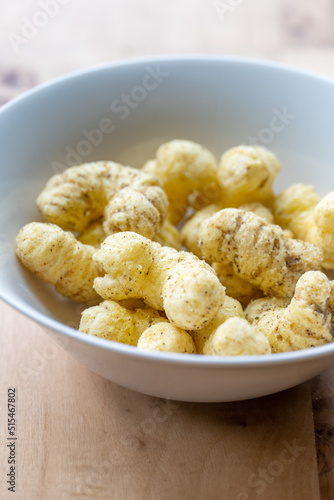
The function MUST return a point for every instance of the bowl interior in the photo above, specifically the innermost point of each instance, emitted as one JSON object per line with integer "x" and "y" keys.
{"x": 124, "y": 111}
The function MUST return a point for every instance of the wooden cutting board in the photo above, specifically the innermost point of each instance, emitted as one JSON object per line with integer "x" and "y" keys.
{"x": 323, "y": 409}
{"x": 80, "y": 436}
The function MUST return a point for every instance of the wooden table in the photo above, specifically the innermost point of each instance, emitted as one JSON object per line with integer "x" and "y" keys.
{"x": 80, "y": 436}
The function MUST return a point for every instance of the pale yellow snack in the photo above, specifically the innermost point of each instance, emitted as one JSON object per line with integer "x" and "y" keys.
{"x": 307, "y": 321}
{"x": 185, "y": 168}
{"x": 259, "y": 252}
{"x": 133, "y": 304}
{"x": 288, "y": 234}
{"x": 169, "y": 236}
{"x": 112, "y": 321}
{"x": 164, "y": 337}
{"x": 127, "y": 198}
{"x": 301, "y": 210}
{"x": 190, "y": 230}
{"x": 294, "y": 208}
{"x": 179, "y": 283}
{"x": 230, "y": 309}
{"x": 58, "y": 258}
{"x": 260, "y": 210}
{"x": 236, "y": 337}
{"x": 257, "y": 307}
{"x": 93, "y": 235}
{"x": 246, "y": 174}
{"x": 236, "y": 287}
{"x": 324, "y": 222}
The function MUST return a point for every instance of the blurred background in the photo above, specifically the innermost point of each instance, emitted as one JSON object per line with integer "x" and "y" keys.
{"x": 41, "y": 39}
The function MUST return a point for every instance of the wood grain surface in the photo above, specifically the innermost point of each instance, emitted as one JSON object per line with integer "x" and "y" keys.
{"x": 80, "y": 436}
{"x": 323, "y": 407}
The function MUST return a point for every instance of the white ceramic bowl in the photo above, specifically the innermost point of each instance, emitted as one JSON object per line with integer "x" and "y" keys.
{"x": 122, "y": 112}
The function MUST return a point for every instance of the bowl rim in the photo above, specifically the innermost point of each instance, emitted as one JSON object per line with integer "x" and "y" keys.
{"x": 256, "y": 361}
{"x": 181, "y": 58}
